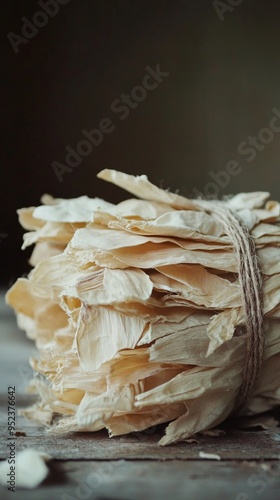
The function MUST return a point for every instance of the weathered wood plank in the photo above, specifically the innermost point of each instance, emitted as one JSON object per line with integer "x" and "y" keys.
{"x": 249, "y": 446}
{"x": 130, "y": 480}
{"x": 98, "y": 446}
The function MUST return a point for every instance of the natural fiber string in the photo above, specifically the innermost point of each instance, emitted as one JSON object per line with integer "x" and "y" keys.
{"x": 251, "y": 291}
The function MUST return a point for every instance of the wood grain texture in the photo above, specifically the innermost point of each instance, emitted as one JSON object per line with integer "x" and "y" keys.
{"x": 233, "y": 445}
{"x": 178, "y": 480}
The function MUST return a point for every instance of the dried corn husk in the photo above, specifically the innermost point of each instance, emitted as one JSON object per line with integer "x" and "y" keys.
{"x": 137, "y": 314}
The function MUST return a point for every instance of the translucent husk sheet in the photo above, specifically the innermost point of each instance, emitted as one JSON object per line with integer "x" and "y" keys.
{"x": 136, "y": 311}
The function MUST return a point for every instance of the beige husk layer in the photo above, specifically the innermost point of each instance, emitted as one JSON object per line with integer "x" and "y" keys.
{"x": 136, "y": 310}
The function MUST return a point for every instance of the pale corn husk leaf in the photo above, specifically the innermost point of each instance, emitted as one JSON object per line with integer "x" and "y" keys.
{"x": 136, "y": 311}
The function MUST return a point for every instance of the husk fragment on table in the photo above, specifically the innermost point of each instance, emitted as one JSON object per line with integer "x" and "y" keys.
{"x": 136, "y": 310}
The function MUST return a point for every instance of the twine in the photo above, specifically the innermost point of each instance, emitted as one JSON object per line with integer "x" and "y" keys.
{"x": 251, "y": 285}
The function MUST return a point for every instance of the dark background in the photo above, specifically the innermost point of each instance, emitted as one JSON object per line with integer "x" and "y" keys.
{"x": 224, "y": 82}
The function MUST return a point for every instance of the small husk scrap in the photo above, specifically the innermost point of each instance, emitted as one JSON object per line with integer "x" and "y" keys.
{"x": 136, "y": 311}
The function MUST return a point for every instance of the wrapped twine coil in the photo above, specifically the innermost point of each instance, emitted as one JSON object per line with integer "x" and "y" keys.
{"x": 251, "y": 285}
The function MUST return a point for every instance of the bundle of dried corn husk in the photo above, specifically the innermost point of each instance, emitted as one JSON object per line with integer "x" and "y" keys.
{"x": 136, "y": 310}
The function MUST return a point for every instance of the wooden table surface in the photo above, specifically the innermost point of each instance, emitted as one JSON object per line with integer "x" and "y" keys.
{"x": 133, "y": 467}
